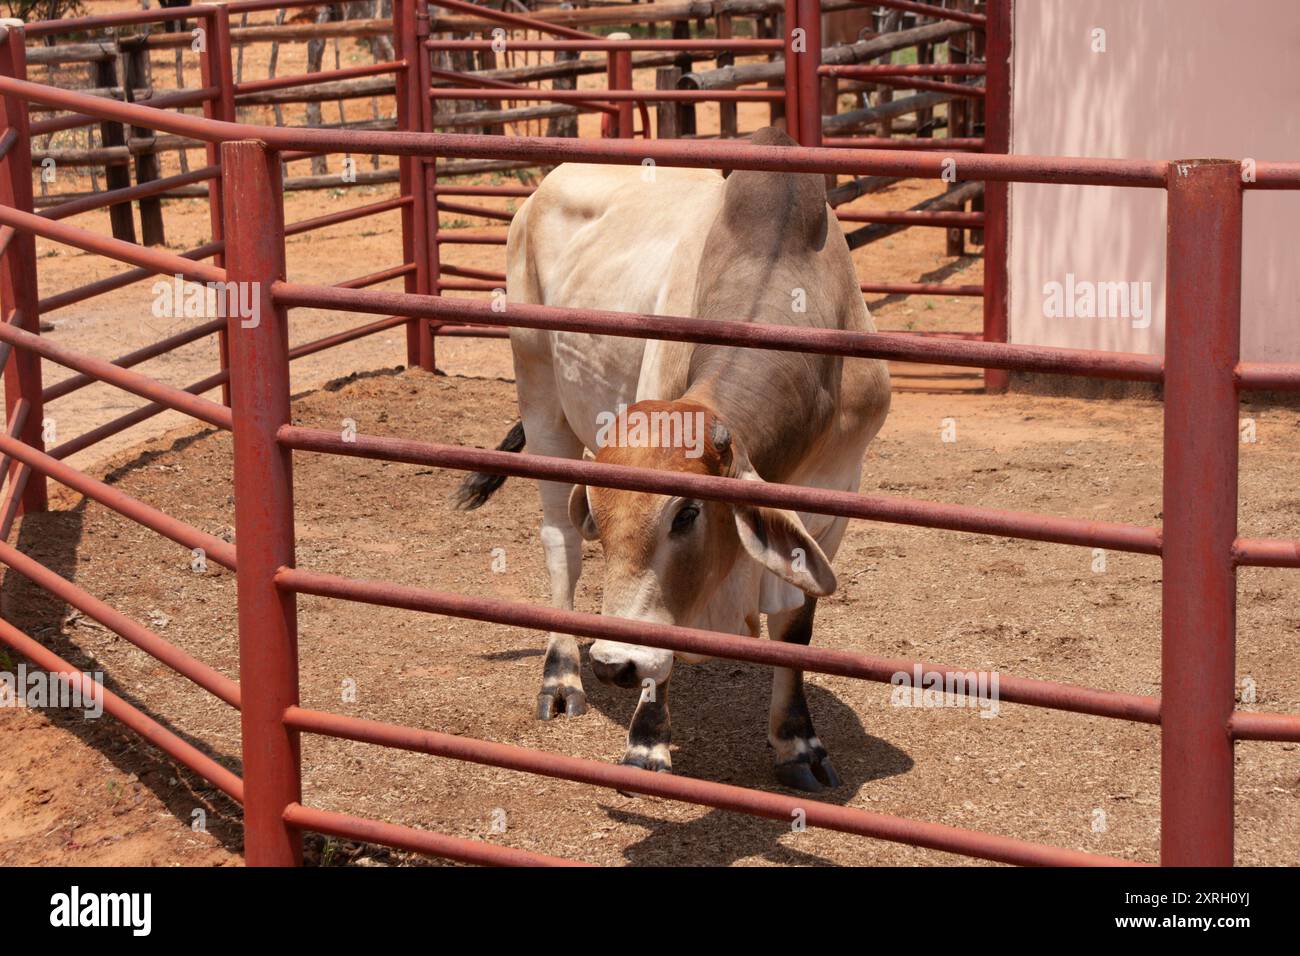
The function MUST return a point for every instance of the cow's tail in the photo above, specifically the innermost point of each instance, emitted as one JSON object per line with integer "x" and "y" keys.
{"x": 478, "y": 487}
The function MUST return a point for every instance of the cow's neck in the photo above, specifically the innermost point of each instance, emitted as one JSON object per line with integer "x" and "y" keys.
{"x": 778, "y": 405}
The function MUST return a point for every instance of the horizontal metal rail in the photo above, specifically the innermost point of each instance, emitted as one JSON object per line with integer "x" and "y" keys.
{"x": 154, "y": 259}
{"x": 883, "y": 345}
{"x": 869, "y": 70}
{"x": 161, "y": 650}
{"x": 161, "y": 347}
{"x": 123, "y": 422}
{"x": 992, "y": 167}
{"x": 1017, "y": 690}
{"x": 513, "y": 19}
{"x": 155, "y": 733}
{"x": 775, "y": 806}
{"x": 960, "y": 144}
{"x": 921, "y": 288}
{"x": 61, "y": 300}
{"x": 1253, "y": 725}
{"x": 142, "y": 385}
{"x": 1266, "y": 553}
{"x": 578, "y": 96}
{"x": 222, "y": 552}
{"x": 847, "y": 504}
{"x": 162, "y": 101}
{"x": 325, "y": 76}
{"x": 345, "y": 215}
{"x": 1267, "y": 376}
{"x": 602, "y": 45}
{"x": 143, "y": 190}
{"x": 913, "y": 217}
{"x": 930, "y": 10}
{"x": 418, "y": 841}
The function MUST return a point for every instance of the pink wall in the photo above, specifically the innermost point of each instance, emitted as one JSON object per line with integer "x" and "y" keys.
{"x": 1179, "y": 79}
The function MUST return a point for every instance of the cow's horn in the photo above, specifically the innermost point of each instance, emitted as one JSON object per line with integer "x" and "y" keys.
{"x": 721, "y": 438}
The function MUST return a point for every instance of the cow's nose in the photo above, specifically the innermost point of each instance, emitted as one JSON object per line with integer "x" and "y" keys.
{"x": 618, "y": 673}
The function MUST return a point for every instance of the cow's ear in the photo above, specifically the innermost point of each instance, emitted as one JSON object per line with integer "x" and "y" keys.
{"x": 777, "y": 539}
{"x": 580, "y": 513}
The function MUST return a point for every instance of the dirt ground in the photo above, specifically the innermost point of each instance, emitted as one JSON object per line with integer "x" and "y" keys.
{"x": 975, "y": 601}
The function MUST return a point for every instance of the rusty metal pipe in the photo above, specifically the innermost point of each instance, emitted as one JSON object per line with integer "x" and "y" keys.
{"x": 148, "y": 728}
{"x": 418, "y": 841}
{"x": 884, "y": 345}
{"x": 222, "y": 552}
{"x": 991, "y": 167}
{"x": 1198, "y": 583}
{"x": 775, "y": 806}
{"x": 1016, "y": 690}
{"x": 210, "y": 679}
{"x": 134, "y": 382}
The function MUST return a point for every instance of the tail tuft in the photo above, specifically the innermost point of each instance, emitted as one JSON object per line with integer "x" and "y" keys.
{"x": 478, "y": 487}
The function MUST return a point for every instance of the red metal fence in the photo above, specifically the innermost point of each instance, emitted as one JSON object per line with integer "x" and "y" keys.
{"x": 1197, "y": 542}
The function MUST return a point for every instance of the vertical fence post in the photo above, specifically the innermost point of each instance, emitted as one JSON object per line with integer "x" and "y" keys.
{"x": 620, "y": 78}
{"x": 216, "y": 69}
{"x": 790, "y": 22}
{"x": 136, "y": 73}
{"x": 997, "y": 139}
{"x": 264, "y": 533}
{"x": 116, "y": 175}
{"x": 425, "y": 240}
{"x": 807, "y": 64}
{"x": 22, "y": 373}
{"x": 1199, "y": 590}
{"x": 410, "y": 90}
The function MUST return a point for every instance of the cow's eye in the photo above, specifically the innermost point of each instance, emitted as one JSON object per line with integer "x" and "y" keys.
{"x": 683, "y": 520}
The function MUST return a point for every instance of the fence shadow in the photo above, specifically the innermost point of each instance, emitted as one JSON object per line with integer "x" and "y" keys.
{"x": 53, "y": 539}
{"x": 720, "y": 717}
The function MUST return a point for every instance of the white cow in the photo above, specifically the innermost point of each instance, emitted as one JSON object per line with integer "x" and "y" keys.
{"x": 753, "y": 247}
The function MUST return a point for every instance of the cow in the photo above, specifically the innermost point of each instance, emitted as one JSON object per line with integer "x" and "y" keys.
{"x": 760, "y": 247}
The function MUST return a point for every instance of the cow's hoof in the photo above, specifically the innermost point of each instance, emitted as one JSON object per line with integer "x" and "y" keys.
{"x": 570, "y": 701}
{"x": 647, "y": 758}
{"x": 656, "y": 758}
{"x": 809, "y": 776}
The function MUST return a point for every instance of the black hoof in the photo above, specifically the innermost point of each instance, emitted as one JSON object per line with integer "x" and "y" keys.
{"x": 798, "y": 775}
{"x": 572, "y": 702}
{"x": 812, "y": 776}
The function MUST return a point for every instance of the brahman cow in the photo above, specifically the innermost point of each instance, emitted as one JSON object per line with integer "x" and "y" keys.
{"x": 752, "y": 247}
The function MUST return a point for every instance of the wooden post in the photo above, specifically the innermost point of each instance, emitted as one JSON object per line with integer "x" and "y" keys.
{"x": 116, "y": 175}
{"x": 136, "y": 74}
{"x": 666, "y": 78}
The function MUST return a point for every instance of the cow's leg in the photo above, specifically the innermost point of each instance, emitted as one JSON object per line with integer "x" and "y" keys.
{"x": 548, "y": 433}
{"x": 651, "y": 731}
{"x": 561, "y": 672}
{"x": 801, "y": 760}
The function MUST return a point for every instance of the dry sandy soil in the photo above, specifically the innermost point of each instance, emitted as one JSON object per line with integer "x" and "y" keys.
{"x": 78, "y": 791}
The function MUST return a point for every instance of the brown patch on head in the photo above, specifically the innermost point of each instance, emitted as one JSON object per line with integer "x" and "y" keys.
{"x": 693, "y": 427}
{"x": 679, "y": 436}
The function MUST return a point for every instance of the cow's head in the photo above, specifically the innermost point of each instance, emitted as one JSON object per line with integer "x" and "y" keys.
{"x": 668, "y": 558}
